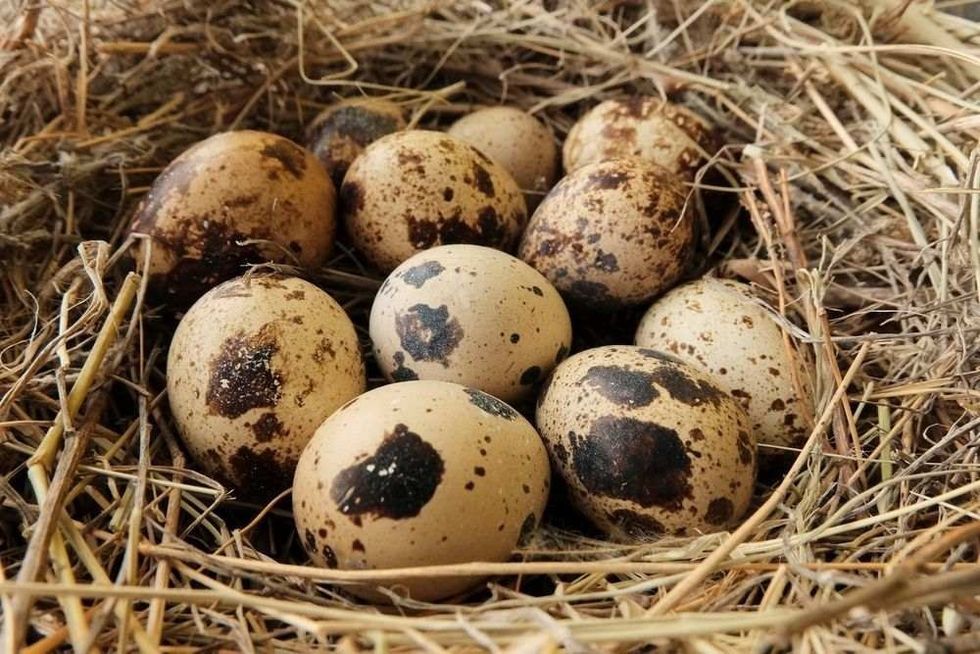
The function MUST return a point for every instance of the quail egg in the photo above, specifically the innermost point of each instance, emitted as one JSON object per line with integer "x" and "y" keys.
{"x": 342, "y": 131}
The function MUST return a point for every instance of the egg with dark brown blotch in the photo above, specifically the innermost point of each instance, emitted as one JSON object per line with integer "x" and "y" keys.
{"x": 647, "y": 444}
{"x": 254, "y": 367}
{"x": 471, "y": 315}
{"x": 234, "y": 199}
{"x": 612, "y": 234}
{"x": 420, "y": 473}
{"x": 516, "y": 140}
{"x": 720, "y": 327}
{"x": 341, "y": 132}
{"x": 413, "y": 190}
{"x": 642, "y": 126}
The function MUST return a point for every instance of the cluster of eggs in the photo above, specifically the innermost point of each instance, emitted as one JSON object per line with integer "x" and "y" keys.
{"x": 266, "y": 379}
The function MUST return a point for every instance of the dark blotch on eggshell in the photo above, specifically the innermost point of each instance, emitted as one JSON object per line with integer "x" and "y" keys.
{"x": 401, "y": 371}
{"x": 744, "y": 444}
{"x": 719, "y": 511}
{"x": 351, "y": 196}
{"x": 418, "y": 275}
{"x": 395, "y": 482}
{"x": 328, "y": 556}
{"x": 289, "y": 155}
{"x": 607, "y": 180}
{"x": 634, "y": 524}
{"x": 622, "y": 386}
{"x": 260, "y": 473}
{"x": 482, "y": 179}
{"x": 242, "y": 377}
{"x": 684, "y": 388}
{"x": 428, "y": 333}
{"x": 267, "y": 427}
{"x": 527, "y": 529}
{"x": 490, "y": 404}
{"x": 630, "y": 459}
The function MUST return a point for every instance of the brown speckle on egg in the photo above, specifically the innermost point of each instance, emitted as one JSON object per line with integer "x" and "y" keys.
{"x": 744, "y": 349}
{"x": 341, "y": 132}
{"x": 246, "y": 413}
{"x": 471, "y": 315}
{"x": 646, "y": 444}
{"x": 612, "y": 234}
{"x": 393, "y": 210}
{"x": 203, "y": 228}
{"x": 389, "y": 465}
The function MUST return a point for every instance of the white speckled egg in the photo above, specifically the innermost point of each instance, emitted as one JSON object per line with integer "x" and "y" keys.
{"x": 342, "y": 131}
{"x": 612, "y": 234}
{"x": 646, "y": 444}
{"x": 666, "y": 134}
{"x": 254, "y": 367}
{"x": 207, "y": 211}
{"x": 470, "y": 315}
{"x": 719, "y": 327}
{"x": 517, "y": 141}
{"x": 413, "y": 190}
{"x": 420, "y": 473}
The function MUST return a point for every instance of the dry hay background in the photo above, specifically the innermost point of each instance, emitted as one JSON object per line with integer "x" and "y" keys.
{"x": 852, "y": 160}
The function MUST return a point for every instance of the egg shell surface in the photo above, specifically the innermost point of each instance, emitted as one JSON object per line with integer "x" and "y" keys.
{"x": 516, "y": 140}
{"x": 205, "y": 209}
{"x": 420, "y": 473}
{"x": 254, "y": 367}
{"x": 647, "y": 445}
{"x": 342, "y": 131}
{"x": 719, "y": 327}
{"x": 470, "y": 315}
{"x": 643, "y": 126}
{"x": 612, "y": 234}
{"x": 416, "y": 189}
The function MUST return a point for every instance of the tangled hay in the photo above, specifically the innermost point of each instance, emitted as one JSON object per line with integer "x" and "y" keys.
{"x": 851, "y": 134}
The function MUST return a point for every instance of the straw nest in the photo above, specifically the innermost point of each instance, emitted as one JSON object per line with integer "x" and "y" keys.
{"x": 852, "y": 171}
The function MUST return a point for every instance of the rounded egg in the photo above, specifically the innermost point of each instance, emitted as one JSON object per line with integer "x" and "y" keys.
{"x": 420, "y": 473}
{"x": 470, "y": 315}
{"x": 416, "y": 189}
{"x": 341, "y": 132}
{"x": 254, "y": 367}
{"x": 234, "y": 199}
{"x": 643, "y": 126}
{"x": 720, "y": 327}
{"x": 646, "y": 444}
{"x": 612, "y": 234}
{"x": 516, "y": 140}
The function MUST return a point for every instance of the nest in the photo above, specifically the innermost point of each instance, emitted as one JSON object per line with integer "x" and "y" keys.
{"x": 850, "y": 175}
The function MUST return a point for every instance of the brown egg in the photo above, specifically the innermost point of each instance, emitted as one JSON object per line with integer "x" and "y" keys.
{"x": 413, "y": 190}
{"x": 612, "y": 234}
{"x": 420, "y": 473}
{"x": 342, "y": 131}
{"x": 206, "y": 211}
{"x": 643, "y": 126}
{"x": 645, "y": 444}
{"x": 719, "y": 327}
{"x": 254, "y": 367}
{"x": 470, "y": 315}
{"x": 518, "y": 142}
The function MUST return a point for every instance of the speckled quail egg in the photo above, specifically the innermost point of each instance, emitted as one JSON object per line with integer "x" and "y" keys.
{"x": 517, "y": 141}
{"x": 470, "y": 315}
{"x": 612, "y": 234}
{"x": 342, "y": 131}
{"x": 420, "y": 473}
{"x": 642, "y": 126}
{"x": 207, "y": 212}
{"x": 254, "y": 367}
{"x": 719, "y": 327}
{"x": 413, "y": 190}
{"x": 647, "y": 444}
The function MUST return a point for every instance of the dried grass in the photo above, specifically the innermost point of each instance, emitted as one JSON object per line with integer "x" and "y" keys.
{"x": 852, "y": 146}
